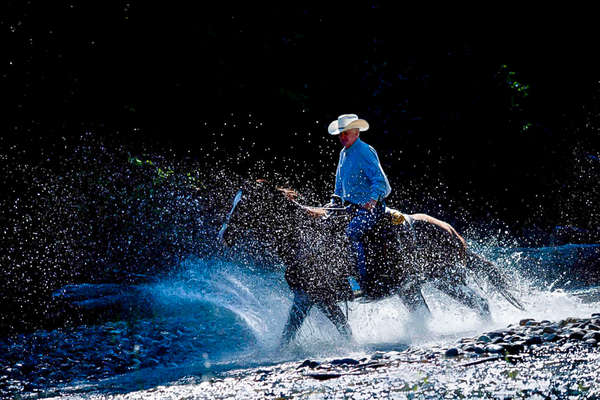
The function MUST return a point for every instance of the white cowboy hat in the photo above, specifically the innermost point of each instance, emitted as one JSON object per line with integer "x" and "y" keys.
{"x": 345, "y": 122}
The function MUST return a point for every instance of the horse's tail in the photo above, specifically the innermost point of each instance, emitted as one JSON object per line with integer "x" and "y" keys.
{"x": 482, "y": 266}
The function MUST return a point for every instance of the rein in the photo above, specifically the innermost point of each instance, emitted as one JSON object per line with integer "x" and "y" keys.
{"x": 310, "y": 208}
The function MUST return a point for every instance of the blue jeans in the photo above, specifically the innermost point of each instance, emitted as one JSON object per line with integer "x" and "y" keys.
{"x": 362, "y": 221}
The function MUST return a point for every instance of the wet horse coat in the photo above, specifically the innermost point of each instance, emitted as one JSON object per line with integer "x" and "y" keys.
{"x": 404, "y": 252}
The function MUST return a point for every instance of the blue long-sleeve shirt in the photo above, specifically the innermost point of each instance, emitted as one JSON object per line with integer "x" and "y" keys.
{"x": 359, "y": 177}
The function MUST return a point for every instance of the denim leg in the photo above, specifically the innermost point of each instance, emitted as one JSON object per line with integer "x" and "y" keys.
{"x": 362, "y": 221}
{"x": 300, "y": 308}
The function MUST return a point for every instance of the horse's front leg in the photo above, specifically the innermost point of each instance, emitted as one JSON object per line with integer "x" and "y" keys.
{"x": 300, "y": 308}
{"x": 411, "y": 296}
{"x": 337, "y": 316}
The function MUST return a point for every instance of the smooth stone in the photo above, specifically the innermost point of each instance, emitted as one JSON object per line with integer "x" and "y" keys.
{"x": 548, "y": 329}
{"x": 533, "y": 340}
{"x": 470, "y": 348}
{"x": 495, "y": 334}
{"x": 308, "y": 363}
{"x": 484, "y": 338}
{"x": 532, "y": 323}
{"x": 453, "y": 352}
{"x": 566, "y": 347}
{"x": 513, "y": 348}
{"x": 577, "y": 335}
{"x": 592, "y": 342}
{"x": 494, "y": 348}
{"x": 345, "y": 361}
{"x": 568, "y": 321}
{"x": 591, "y": 335}
{"x": 593, "y": 327}
{"x": 524, "y": 322}
{"x": 549, "y": 337}
{"x": 596, "y": 315}
{"x": 497, "y": 340}
{"x": 478, "y": 350}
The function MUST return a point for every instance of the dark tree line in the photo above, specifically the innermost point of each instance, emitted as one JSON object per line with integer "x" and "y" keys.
{"x": 475, "y": 121}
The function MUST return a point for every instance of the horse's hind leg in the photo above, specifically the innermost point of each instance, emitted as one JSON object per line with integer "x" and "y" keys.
{"x": 460, "y": 292}
{"x": 335, "y": 315}
{"x": 300, "y": 308}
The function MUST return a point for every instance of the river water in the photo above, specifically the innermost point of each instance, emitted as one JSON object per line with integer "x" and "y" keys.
{"x": 215, "y": 316}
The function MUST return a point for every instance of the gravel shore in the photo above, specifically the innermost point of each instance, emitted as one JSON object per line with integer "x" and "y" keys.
{"x": 532, "y": 359}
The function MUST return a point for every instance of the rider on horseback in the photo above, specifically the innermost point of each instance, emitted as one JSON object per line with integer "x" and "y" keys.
{"x": 359, "y": 182}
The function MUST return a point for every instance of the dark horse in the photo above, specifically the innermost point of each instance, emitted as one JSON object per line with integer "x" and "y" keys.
{"x": 404, "y": 252}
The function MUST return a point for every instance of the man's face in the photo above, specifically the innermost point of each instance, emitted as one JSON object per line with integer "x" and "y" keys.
{"x": 347, "y": 138}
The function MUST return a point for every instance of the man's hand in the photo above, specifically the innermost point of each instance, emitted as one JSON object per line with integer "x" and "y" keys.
{"x": 370, "y": 205}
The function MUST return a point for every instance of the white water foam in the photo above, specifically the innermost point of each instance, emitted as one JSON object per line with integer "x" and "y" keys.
{"x": 261, "y": 300}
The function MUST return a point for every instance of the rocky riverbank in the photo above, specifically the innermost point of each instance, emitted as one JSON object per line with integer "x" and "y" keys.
{"x": 534, "y": 359}
{"x": 547, "y": 359}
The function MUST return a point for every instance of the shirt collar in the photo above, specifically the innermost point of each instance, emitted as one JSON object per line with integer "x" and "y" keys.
{"x": 355, "y": 145}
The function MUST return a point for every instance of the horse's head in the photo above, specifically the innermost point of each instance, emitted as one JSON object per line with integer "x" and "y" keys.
{"x": 260, "y": 210}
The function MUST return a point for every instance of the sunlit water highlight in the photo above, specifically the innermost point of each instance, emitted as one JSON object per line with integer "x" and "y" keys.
{"x": 240, "y": 310}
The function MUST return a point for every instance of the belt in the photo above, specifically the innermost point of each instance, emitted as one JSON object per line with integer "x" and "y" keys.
{"x": 354, "y": 207}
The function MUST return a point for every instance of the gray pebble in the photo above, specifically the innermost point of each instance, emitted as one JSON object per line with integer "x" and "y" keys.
{"x": 344, "y": 361}
{"x": 549, "y": 329}
{"x": 496, "y": 334}
{"x": 593, "y": 327}
{"x": 591, "y": 335}
{"x": 494, "y": 348}
{"x": 550, "y": 337}
{"x": 533, "y": 340}
{"x": 309, "y": 363}
{"x": 577, "y": 335}
{"x": 453, "y": 352}
{"x": 513, "y": 348}
{"x": 378, "y": 355}
{"x": 484, "y": 339}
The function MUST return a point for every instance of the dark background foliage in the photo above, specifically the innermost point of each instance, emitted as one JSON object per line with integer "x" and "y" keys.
{"x": 486, "y": 118}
